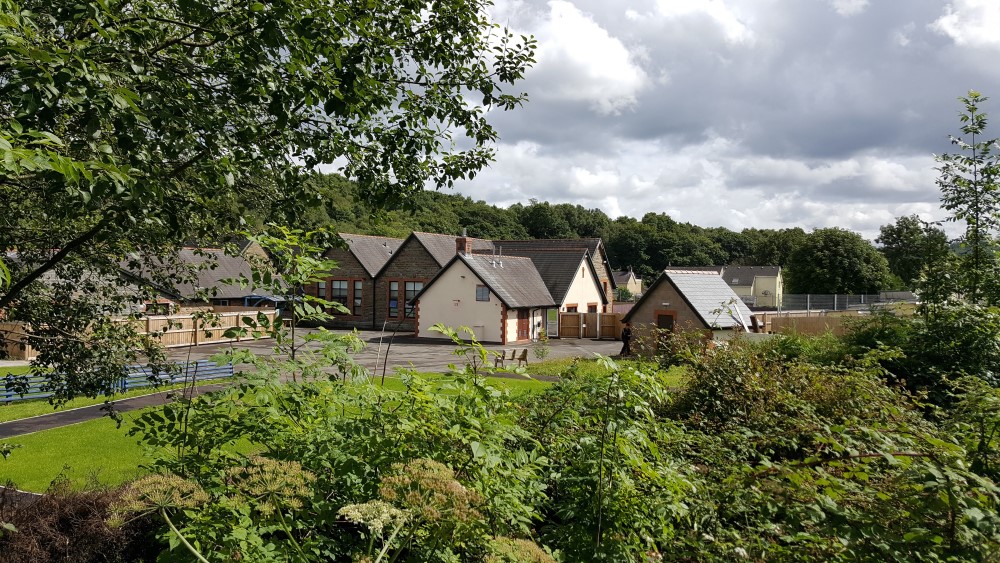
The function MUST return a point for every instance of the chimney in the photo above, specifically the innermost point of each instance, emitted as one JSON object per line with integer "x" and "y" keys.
{"x": 462, "y": 244}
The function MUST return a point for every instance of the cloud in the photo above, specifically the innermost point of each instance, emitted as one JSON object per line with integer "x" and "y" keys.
{"x": 578, "y": 60}
{"x": 849, "y": 7}
{"x": 971, "y": 23}
{"x": 732, "y": 26}
{"x": 762, "y": 113}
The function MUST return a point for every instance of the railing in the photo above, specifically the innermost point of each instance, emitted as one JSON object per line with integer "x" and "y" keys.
{"x": 840, "y": 302}
{"x": 136, "y": 377}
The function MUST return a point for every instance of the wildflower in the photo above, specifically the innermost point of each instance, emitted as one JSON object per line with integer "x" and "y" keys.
{"x": 273, "y": 484}
{"x": 430, "y": 491}
{"x": 515, "y": 550}
{"x": 377, "y": 515}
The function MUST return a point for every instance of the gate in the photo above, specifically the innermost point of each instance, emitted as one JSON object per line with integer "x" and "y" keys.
{"x": 590, "y": 325}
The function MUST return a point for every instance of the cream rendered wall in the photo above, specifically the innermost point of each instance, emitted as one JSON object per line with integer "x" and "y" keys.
{"x": 452, "y": 302}
{"x": 770, "y": 284}
{"x": 583, "y": 291}
{"x": 511, "y": 325}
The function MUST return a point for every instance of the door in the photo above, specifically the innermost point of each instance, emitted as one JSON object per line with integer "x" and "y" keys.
{"x": 523, "y": 324}
{"x": 665, "y": 322}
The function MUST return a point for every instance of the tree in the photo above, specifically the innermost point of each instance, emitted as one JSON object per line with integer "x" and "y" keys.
{"x": 836, "y": 260}
{"x": 910, "y": 244}
{"x": 770, "y": 247}
{"x": 969, "y": 190}
{"x": 131, "y": 127}
{"x": 543, "y": 220}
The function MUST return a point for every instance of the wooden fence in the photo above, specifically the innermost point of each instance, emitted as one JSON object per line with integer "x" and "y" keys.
{"x": 802, "y": 322}
{"x": 590, "y": 325}
{"x": 21, "y": 388}
{"x": 12, "y": 335}
{"x": 173, "y": 331}
{"x": 193, "y": 330}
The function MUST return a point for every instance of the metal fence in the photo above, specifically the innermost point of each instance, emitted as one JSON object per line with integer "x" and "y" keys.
{"x": 136, "y": 377}
{"x": 840, "y": 302}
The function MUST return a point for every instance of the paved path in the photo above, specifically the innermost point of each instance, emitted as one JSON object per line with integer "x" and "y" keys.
{"x": 404, "y": 351}
{"x": 83, "y": 414}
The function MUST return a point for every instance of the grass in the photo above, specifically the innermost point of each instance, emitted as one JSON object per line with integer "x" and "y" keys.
{"x": 588, "y": 366}
{"x": 97, "y": 453}
{"x": 33, "y": 407}
{"x": 89, "y": 453}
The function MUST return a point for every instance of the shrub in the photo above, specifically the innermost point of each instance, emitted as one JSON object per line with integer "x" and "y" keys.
{"x": 66, "y": 525}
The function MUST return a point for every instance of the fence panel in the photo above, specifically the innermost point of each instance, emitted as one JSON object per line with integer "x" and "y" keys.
{"x": 136, "y": 377}
{"x": 569, "y": 325}
{"x": 840, "y": 301}
{"x": 611, "y": 326}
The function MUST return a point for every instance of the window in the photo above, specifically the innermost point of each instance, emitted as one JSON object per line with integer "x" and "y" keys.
{"x": 321, "y": 289}
{"x": 338, "y": 291}
{"x": 393, "y": 299}
{"x": 358, "y": 293}
{"x": 222, "y": 302}
{"x": 412, "y": 288}
{"x": 570, "y": 308}
{"x": 482, "y": 293}
{"x": 592, "y": 308}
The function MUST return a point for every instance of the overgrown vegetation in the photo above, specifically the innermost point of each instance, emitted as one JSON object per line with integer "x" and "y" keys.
{"x": 790, "y": 449}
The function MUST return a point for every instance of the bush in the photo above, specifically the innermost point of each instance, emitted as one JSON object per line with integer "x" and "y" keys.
{"x": 951, "y": 341}
{"x": 64, "y": 525}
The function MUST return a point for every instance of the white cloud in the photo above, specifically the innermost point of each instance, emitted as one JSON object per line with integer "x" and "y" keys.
{"x": 585, "y": 62}
{"x": 733, "y": 28}
{"x": 972, "y": 23}
{"x": 850, "y": 7}
{"x": 902, "y": 35}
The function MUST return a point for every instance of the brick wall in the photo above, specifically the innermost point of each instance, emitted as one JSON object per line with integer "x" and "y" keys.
{"x": 349, "y": 269}
{"x": 604, "y": 278}
{"x": 411, "y": 262}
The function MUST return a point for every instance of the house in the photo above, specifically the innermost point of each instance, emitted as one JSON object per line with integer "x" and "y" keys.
{"x": 628, "y": 280}
{"x": 419, "y": 258}
{"x": 690, "y": 299}
{"x": 397, "y": 270}
{"x": 595, "y": 250}
{"x": 760, "y": 287}
{"x": 503, "y": 299}
{"x": 210, "y": 278}
{"x": 352, "y": 284}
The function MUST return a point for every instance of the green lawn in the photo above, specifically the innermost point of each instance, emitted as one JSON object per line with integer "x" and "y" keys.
{"x": 96, "y": 452}
{"x": 87, "y": 453}
{"x": 23, "y": 409}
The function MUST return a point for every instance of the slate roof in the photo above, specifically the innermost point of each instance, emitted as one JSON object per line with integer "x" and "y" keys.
{"x": 593, "y": 245}
{"x": 373, "y": 252}
{"x": 513, "y": 279}
{"x": 557, "y": 267}
{"x": 706, "y": 294}
{"x": 443, "y": 249}
{"x": 210, "y": 269}
{"x": 622, "y": 277}
{"x": 744, "y": 275}
{"x": 739, "y": 275}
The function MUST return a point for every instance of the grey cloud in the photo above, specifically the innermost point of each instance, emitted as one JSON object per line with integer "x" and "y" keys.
{"x": 813, "y": 88}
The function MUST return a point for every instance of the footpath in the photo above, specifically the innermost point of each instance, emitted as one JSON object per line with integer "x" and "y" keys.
{"x": 83, "y": 414}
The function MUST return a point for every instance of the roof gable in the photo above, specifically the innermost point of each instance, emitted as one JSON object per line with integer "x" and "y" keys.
{"x": 442, "y": 247}
{"x": 556, "y": 266}
{"x": 514, "y": 280}
{"x": 371, "y": 251}
{"x": 708, "y": 296}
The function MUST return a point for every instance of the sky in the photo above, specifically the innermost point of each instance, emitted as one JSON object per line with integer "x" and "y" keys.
{"x": 742, "y": 113}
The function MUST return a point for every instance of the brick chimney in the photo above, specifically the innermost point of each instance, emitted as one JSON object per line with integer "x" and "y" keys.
{"x": 463, "y": 245}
